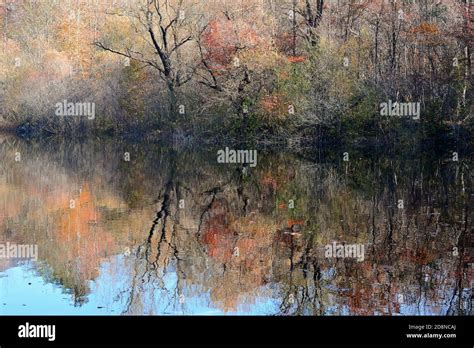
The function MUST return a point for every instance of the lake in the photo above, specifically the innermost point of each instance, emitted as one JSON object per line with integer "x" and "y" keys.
{"x": 132, "y": 228}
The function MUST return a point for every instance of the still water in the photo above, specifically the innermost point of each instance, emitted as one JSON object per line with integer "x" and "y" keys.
{"x": 174, "y": 232}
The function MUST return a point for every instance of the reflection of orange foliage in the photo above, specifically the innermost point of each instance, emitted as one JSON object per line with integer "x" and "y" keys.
{"x": 363, "y": 294}
{"x": 217, "y": 236}
{"x": 276, "y": 178}
{"x": 295, "y": 222}
{"x": 81, "y": 236}
{"x": 72, "y": 242}
{"x": 243, "y": 246}
{"x": 296, "y": 59}
{"x": 419, "y": 256}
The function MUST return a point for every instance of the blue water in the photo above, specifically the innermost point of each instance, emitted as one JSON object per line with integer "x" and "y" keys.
{"x": 24, "y": 292}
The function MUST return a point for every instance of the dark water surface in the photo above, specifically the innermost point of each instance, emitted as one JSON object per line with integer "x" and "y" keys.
{"x": 174, "y": 232}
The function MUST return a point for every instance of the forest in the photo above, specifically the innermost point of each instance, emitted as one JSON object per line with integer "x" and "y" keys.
{"x": 290, "y": 72}
{"x": 180, "y": 157}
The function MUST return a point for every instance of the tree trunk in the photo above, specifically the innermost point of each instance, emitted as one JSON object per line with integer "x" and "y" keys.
{"x": 173, "y": 107}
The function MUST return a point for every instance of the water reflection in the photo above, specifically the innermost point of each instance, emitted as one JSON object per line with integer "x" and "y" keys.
{"x": 174, "y": 232}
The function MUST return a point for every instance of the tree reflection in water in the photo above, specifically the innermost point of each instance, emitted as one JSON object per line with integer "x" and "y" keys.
{"x": 198, "y": 236}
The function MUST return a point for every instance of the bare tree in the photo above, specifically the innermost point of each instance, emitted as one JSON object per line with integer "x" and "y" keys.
{"x": 163, "y": 25}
